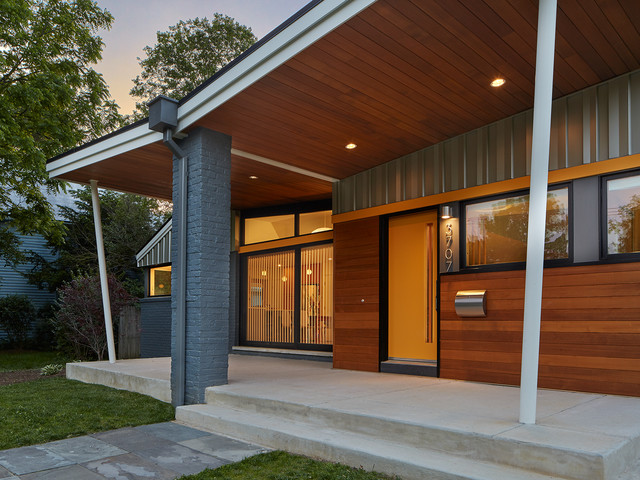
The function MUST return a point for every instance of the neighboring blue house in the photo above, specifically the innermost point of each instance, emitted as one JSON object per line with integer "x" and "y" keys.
{"x": 12, "y": 280}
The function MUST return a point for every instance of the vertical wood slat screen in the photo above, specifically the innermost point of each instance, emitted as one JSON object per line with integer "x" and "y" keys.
{"x": 270, "y": 299}
{"x": 316, "y": 295}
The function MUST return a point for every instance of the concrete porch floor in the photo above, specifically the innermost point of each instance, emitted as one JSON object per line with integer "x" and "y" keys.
{"x": 606, "y": 426}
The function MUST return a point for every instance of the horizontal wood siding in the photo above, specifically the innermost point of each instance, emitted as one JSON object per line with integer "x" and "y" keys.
{"x": 357, "y": 277}
{"x": 590, "y": 333}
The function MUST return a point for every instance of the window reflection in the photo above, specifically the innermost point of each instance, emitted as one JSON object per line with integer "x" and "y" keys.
{"x": 496, "y": 230}
{"x": 623, "y": 215}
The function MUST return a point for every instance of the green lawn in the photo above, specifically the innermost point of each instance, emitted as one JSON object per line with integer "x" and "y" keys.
{"x": 284, "y": 466}
{"x": 55, "y": 408}
{"x": 26, "y": 359}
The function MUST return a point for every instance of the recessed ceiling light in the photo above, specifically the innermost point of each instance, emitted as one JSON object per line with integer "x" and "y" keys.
{"x": 498, "y": 82}
{"x": 253, "y": 177}
{"x": 350, "y": 146}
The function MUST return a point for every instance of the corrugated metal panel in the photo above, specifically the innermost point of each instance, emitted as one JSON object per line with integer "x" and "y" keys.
{"x": 598, "y": 123}
{"x": 158, "y": 250}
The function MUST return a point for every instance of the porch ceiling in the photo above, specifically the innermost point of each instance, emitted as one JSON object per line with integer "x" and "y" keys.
{"x": 399, "y": 76}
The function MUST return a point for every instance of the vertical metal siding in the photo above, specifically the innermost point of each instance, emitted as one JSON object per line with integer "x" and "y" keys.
{"x": 595, "y": 124}
{"x": 160, "y": 252}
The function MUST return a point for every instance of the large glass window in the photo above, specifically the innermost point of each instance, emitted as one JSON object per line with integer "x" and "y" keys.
{"x": 496, "y": 230}
{"x": 274, "y": 312}
{"x": 623, "y": 215}
{"x": 160, "y": 281}
{"x": 271, "y": 282}
{"x": 316, "y": 295}
{"x": 263, "y": 229}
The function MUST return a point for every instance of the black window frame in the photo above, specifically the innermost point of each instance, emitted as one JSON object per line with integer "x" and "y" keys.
{"x": 462, "y": 241}
{"x": 605, "y": 256}
{"x": 295, "y": 210}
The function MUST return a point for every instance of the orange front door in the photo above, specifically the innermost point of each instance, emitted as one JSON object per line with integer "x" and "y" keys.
{"x": 412, "y": 286}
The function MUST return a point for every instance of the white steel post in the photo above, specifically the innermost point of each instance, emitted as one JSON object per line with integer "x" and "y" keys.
{"x": 102, "y": 264}
{"x": 537, "y": 209}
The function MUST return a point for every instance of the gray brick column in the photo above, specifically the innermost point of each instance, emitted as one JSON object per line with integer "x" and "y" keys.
{"x": 208, "y": 245}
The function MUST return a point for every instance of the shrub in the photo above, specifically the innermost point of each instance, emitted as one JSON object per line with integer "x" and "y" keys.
{"x": 51, "y": 369}
{"x": 44, "y": 337}
{"x": 16, "y": 315}
{"x": 79, "y": 323}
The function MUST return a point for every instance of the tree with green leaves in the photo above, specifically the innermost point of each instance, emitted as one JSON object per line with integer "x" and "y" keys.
{"x": 128, "y": 222}
{"x": 186, "y": 55}
{"x": 51, "y": 100}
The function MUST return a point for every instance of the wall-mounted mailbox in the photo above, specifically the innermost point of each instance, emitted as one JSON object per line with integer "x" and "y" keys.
{"x": 471, "y": 303}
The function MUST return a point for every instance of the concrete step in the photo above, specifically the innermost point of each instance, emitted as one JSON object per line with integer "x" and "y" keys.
{"x": 578, "y": 464}
{"x": 371, "y": 452}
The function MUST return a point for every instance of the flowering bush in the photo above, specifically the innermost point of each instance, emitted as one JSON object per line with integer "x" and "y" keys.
{"x": 79, "y": 323}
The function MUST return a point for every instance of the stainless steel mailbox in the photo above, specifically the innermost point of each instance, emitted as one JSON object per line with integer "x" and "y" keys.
{"x": 471, "y": 303}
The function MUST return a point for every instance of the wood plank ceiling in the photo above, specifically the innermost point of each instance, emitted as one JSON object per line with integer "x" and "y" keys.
{"x": 403, "y": 75}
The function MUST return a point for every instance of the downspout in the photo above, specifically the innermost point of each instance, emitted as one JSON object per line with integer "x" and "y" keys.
{"x": 177, "y": 397}
{"x": 163, "y": 117}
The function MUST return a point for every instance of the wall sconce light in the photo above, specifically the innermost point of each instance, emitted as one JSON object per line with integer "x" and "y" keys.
{"x": 284, "y": 279}
{"x": 446, "y": 212}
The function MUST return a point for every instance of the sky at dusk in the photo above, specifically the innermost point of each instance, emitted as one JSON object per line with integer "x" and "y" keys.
{"x": 137, "y": 21}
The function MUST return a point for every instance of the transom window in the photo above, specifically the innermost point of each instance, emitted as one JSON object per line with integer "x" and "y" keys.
{"x": 267, "y": 228}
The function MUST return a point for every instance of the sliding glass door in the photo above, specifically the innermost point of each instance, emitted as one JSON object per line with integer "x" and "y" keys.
{"x": 288, "y": 298}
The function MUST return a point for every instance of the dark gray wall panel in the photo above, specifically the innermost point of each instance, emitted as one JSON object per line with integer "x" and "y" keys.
{"x": 155, "y": 322}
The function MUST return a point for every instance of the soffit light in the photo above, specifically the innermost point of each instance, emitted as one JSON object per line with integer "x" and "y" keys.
{"x": 350, "y": 146}
{"x": 253, "y": 177}
{"x": 498, "y": 82}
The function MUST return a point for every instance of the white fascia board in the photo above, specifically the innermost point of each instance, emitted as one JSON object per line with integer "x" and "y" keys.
{"x": 129, "y": 140}
{"x": 302, "y": 33}
{"x": 159, "y": 234}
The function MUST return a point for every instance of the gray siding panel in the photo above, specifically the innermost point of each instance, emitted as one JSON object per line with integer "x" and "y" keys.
{"x": 595, "y": 124}
{"x": 155, "y": 321}
{"x": 12, "y": 282}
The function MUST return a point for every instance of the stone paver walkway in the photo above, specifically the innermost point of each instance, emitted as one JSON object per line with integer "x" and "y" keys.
{"x": 161, "y": 451}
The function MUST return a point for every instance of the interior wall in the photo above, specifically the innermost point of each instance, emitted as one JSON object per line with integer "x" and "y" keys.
{"x": 590, "y": 336}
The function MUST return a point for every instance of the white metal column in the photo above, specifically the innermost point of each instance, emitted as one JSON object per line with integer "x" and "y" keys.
{"x": 537, "y": 209}
{"x": 102, "y": 264}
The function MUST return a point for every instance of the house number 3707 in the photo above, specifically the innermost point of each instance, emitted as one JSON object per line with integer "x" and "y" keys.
{"x": 448, "y": 241}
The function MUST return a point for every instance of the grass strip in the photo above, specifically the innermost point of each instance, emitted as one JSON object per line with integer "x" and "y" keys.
{"x": 11, "y": 360}
{"x": 55, "y": 408}
{"x": 285, "y": 466}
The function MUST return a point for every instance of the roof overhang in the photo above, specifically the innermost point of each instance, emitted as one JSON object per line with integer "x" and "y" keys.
{"x": 392, "y": 76}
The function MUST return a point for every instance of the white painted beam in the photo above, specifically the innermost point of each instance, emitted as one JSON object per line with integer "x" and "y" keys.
{"x": 102, "y": 265}
{"x": 283, "y": 166}
{"x": 537, "y": 209}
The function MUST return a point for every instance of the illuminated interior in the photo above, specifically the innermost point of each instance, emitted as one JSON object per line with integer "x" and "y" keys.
{"x": 160, "y": 281}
